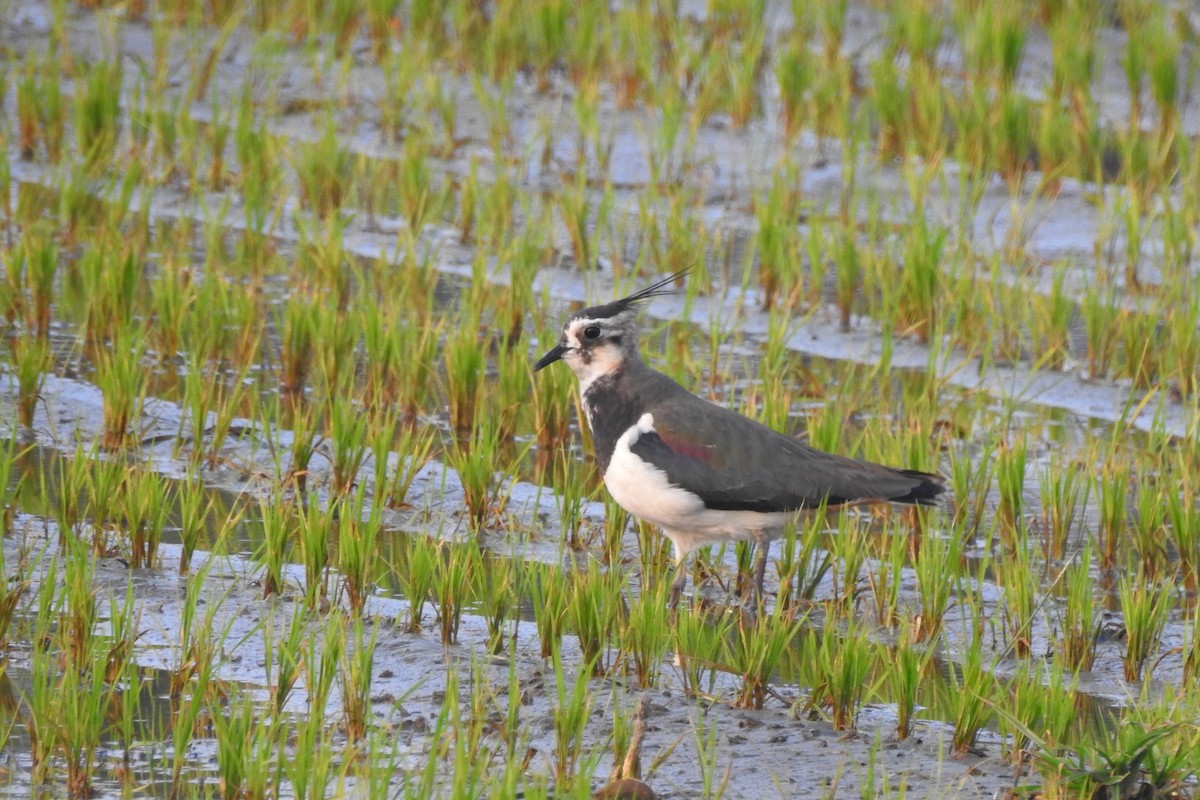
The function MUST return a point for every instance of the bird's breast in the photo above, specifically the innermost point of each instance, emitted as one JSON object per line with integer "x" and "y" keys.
{"x": 643, "y": 489}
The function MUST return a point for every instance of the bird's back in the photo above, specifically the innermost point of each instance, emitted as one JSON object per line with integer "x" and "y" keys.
{"x": 731, "y": 461}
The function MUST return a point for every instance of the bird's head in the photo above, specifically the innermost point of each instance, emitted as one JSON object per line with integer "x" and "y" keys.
{"x": 599, "y": 340}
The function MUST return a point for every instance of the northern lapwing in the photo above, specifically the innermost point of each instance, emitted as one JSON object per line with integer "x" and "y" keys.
{"x": 701, "y": 472}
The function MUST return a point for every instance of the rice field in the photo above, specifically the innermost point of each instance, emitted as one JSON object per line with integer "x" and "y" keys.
{"x": 287, "y": 514}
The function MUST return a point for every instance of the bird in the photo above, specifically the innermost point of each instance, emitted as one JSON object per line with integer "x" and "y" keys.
{"x": 702, "y": 472}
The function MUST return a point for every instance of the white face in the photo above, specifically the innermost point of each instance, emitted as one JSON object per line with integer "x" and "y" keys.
{"x": 594, "y": 347}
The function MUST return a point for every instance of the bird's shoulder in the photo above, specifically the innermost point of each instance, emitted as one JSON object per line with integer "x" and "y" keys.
{"x": 694, "y": 426}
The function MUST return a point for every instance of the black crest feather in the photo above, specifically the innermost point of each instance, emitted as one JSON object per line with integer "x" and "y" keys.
{"x": 657, "y": 289}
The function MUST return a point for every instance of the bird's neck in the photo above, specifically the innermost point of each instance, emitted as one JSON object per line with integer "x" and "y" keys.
{"x": 611, "y": 406}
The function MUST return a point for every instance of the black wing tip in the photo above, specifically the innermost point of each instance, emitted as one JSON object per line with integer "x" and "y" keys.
{"x": 925, "y": 493}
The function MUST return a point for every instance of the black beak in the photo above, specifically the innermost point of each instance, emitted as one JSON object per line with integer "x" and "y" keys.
{"x": 557, "y": 352}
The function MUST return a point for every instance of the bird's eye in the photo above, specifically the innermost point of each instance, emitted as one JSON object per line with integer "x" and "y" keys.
{"x": 591, "y": 332}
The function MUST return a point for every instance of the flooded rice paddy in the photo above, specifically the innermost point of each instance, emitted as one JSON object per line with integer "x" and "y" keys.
{"x": 287, "y": 514}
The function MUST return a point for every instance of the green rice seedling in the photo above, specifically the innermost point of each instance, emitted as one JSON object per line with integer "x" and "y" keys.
{"x": 173, "y": 293}
{"x": 777, "y": 238}
{"x": 418, "y": 578}
{"x": 593, "y": 611}
{"x": 321, "y": 660}
{"x": 16, "y": 583}
{"x": 1183, "y": 344}
{"x": 414, "y": 449}
{"x": 286, "y": 656}
{"x": 80, "y": 708}
{"x": 29, "y": 98}
{"x": 744, "y": 74}
{"x": 849, "y": 548}
{"x": 1191, "y": 652}
{"x": 348, "y": 437}
{"x": 1113, "y": 490}
{"x": 122, "y": 382}
{"x": 235, "y": 727}
{"x": 164, "y": 122}
{"x": 230, "y": 394}
{"x": 645, "y": 632}
{"x": 1080, "y": 621}
{"x": 79, "y": 609}
{"x": 468, "y": 754}
{"x": 499, "y": 599}
{"x": 757, "y": 650}
{"x": 616, "y": 522}
{"x": 298, "y": 334}
{"x": 382, "y": 345}
{"x": 707, "y": 740}
{"x": 575, "y": 213}
{"x": 334, "y": 342}
{"x": 972, "y": 687}
{"x": 1010, "y": 479}
{"x": 571, "y": 493}
{"x": 935, "y": 565}
{"x": 1150, "y": 529}
{"x": 1064, "y": 494}
{"x": 313, "y": 537}
{"x": 475, "y": 459}
{"x": 32, "y": 358}
{"x": 122, "y": 674}
{"x": 1146, "y": 607}
{"x": 970, "y": 477}
{"x": 421, "y": 199}
{"x": 303, "y": 420}
{"x": 1100, "y": 311}
{"x": 924, "y": 247}
{"x": 903, "y": 679}
{"x": 279, "y": 521}
{"x": 510, "y": 389}
{"x": 456, "y": 573}
{"x": 1163, "y": 74}
{"x": 1142, "y": 348}
{"x": 34, "y": 267}
{"x": 1184, "y": 532}
{"x": 465, "y": 360}
{"x": 97, "y": 112}
{"x": 1015, "y": 574}
{"x": 143, "y": 501}
{"x": 843, "y": 661}
{"x": 102, "y": 482}
{"x": 1019, "y": 710}
{"x": 310, "y": 769}
{"x": 354, "y": 679}
{"x": 1108, "y": 766}
{"x": 571, "y": 710}
{"x": 551, "y": 592}
{"x": 195, "y": 506}
{"x": 885, "y": 576}
{"x": 795, "y": 74}
{"x": 804, "y": 562}
{"x": 848, "y": 267}
{"x": 43, "y": 734}
{"x": 358, "y": 551}
{"x": 1051, "y": 318}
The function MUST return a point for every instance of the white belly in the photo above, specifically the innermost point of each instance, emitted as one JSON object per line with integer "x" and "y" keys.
{"x": 644, "y": 491}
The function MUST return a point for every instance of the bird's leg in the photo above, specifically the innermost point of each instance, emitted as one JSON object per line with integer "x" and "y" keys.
{"x": 677, "y": 585}
{"x": 680, "y": 576}
{"x": 760, "y": 565}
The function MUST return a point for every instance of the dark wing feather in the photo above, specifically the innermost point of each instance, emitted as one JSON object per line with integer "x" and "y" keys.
{"x": 735, "y": 463}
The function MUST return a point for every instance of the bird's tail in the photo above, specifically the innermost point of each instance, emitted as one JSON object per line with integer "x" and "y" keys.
{"x": 924, "y": 492}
